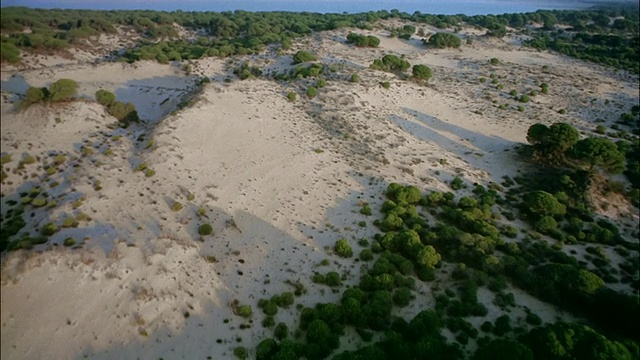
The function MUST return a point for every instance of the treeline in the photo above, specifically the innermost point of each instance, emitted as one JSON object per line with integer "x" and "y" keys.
{"x": 240, "y": 32}
{"x": 608, "y": 49}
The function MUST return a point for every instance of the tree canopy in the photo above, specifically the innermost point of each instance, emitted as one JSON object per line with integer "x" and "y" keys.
{"x": 599, "y": 152}
{"x": 444, "y": 40}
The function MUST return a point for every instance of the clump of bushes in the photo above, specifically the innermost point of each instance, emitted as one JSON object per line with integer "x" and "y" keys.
{"x": 390, "y": 63}
{"x": 303, "y": 56}
{"x": 126, "y": 113}
{"x": 443, "y": 40}
{"x": 363, "y": 40}
{"x": 61, "y": 90}
{"x": 244, "y": 71}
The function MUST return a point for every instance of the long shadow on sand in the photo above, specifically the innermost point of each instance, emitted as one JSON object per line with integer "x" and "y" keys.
{"x": 457, "y": 140}
{"x": 253, "y": 260}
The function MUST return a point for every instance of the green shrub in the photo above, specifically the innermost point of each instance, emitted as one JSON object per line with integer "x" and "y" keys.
{"x": 332, "y": 279}
{"x": 34, "y": 95}
{"x": 69, "y": 241}
{"x": 385, "y": 84}
{"x": 291, "y": 96}
{"x": 544, "y": 88}
{"x": 494, "y": 61}
{"x": 9, "y": 52}
{"x": 205, "y": 229}
{"x": 421, "y": 72}
{"x": 546, "y": 224}
{"x": 63, "y": 90}
{"x": 5, "y": 159}
{"x": 281, "y": 331}
{"x": 105, "y": 98}
{"x": 342, "y": 248}
{"x": 601, "y": 129}
{"x": 49, "y": 229}
{"x": 318, "y": 278}
{"x": 444, "y": 40}
{"x": 270, "y": 308}
{"x": 363, "y": 40}
{"x": 366, "y": 255}
{"x": 303, "y": 56}
{"x": 39, "y": 202}
{"x": 524, "y": 98}
{"x": 241, "y": 352}
{"x": 390, "y": 63}
{"x": 456, "y": 183}
{"x": 354, "y": 78}
{"x": 124, "y": 112}
{"x": 284, "y": 300}
{"x": 176, "y": 206}
{"x": 311, "y": 92}
{"x": 244, "y": 311}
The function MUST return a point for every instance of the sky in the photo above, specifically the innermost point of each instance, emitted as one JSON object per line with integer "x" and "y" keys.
{"x": 469, "y": 7}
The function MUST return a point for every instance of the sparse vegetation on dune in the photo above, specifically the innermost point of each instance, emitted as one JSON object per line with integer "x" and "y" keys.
{"x": 465, "y": 264}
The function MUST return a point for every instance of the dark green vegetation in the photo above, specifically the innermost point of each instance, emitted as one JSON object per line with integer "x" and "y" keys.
{"x": 463, "y": 239}
{"x": 390, "y": 63}
{"x": 607, "y": 36}
{"x": 444, "y": 40}
{"x": 126, "y": 113}
{"x": 363, "y": 40}
{"x": 59, "y": 91}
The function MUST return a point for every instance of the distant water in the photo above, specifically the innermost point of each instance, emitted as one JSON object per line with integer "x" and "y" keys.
{"x": 446, "y": 7}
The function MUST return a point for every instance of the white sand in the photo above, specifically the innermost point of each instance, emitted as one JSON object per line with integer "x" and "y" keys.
{"x": 280, "y": 182}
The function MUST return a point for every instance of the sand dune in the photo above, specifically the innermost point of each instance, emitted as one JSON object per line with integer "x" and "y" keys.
{"x": 279, "y": 181}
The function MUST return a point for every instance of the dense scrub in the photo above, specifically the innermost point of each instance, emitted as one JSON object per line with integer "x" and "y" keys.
{"x": 467, "y": 233}
{"x": 608, "y": 36}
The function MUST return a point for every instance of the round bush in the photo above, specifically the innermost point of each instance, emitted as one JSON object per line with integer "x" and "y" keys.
{"x": 443, "y": 40}
{"x": 312, "y": 92}
{"x": 63, "y": 90}
{"x": 105, "y": 98}
{"x": 421, "y": 72}
{"x": 49, "y": 229}
{"x": 342, "y": 248}
{"x": 205, "y": 229}
{"x": 244, "y": 311}
{"x": 366, "y": 255}
{"x": 332, "y": 279}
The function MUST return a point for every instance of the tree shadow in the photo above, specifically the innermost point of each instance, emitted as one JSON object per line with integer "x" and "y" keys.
{"x": 489, "y": 153}
{"x": 249, "y": 258}
{"x": 154, "y": 98}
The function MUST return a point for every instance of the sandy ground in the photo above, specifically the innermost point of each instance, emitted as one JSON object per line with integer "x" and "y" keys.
{"x": 279, "y": 182}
